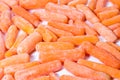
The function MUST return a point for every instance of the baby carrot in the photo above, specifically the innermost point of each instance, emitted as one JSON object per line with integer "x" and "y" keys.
{"x": 101, "y": 3}
{"x": 53, "y": 76}
{"x": 16, "y": 59}
{"x": 25, "y": 14}
{"x": 117, "y": 32}
{"x": 64, "y": 2}
{"x": 105, "y": 32}
{"x": 5, "y": 20}
{"x": 114, "y": 26}
{"x": 54, "y": 45}
{"x": 28, "y": 44}
{"x": 114, "y": 45}
{"x": 16, "y": 67}
{"x": 23, "y": 24}
{"x": 38, "y": 70}
{"x": 67, "y": 27}
{"x": 3, "y": 7}
{"x": 63, "y": 9}
{"x": 83, "y": 71}
{"x": 90, "y": 16}
{"x": 115, "y": 73}
{"x": 50, "y": 16}
{"x": 77, "y": 40}
{"x": 109, "y": 48}
{"x": 11, "y": 36}
{"x": 8, "y": 77}
{"x": 71, "y": 54}
{"x": 1, "y": 73}
{"x": 117, "y": 2}
{"x": 76, "y": 2}
{"x": 103, "y": 55}
{"x": 10, "y": 2}
{"x": 111, "y": 21}
{"x": 42, "y": 78}
{"x": 10, "y": 52}
{"x": 92, "y": 4}
{"x": 2, "y": 46}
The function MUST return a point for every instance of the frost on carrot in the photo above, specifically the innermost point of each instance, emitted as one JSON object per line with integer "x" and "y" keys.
{"x": 8, "y": 77}
{"x": 100, "y": 4}
{"x": 117, "y": 2}
{"x": 53, "y": 76}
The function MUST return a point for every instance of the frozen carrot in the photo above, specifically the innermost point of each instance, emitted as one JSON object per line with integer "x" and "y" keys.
{"x": 111, "y": 21}
{"x": 71, "y": 54}
{"x": 114, "y": 26}
{"x": 16, "y": 59}
{"x": 10, "y": 52}
{"x": 70, "y": 22}
{"x": 77, "y": 40}
{"x": 63, "y": 9}
{"x": 59, "y": 32}
{"x": 76, "y": 2}
{"x": 105, "y": 32}
{"x": 8, "y": 77}
{"x": 16, "y": 67}
{"x": 117, "y": 2}
{"x": 41, "y": 69}
{"x": 50, "y": 16}
{"x": 117, "y": 32}
{"x": 92, "y": 4}
{"x": 115, "y": 73}
{"x": 64, "y": 1}
{"x": 23, "y": 24}
{"x": 2, "y": 46}
{"x": 67, "y": 27}
{"x": 42, "y": 78}
{"x": 25, "y": 14}
{"x": 101, "y": 3}
{"x": 68, "y": 77}
{"x": 109, "y": 48}
{"x": 28, "y": 44}
{"x": 10, "y": 2}
{"x": 103, "y": 55}
{"x": 1, "y": 73}
{"x": 90, "y": 16}
{"x": 3, "y": 7}
{"x": 104, "y": 15}
{"x": 53, "y": 76}
{"x": 5, "y": 20}
{"x": 83, "y": 71}
{"x": 114, "y": 45}
{"x": 11, "y": 36}
{"x": 54, "y": 45}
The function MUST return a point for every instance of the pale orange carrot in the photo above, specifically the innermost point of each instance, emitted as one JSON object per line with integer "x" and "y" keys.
{"x": 109, "y": 48}
{"x": 103, "y": 55}
{"x": 11, "y": 36}
{"x": 23, "y": 24}
{"x": 83, "y": 71}
{"x": 90, "y": 16}
{"x": 77, "y": 40}
{"x": 111, "y": 21}
{"x": 62, "y": 55}
{"x": 117, "y": 32}
{"x": 50, "y": 16}
{"x": 70, "y": 22}
{"x": 8, "y": 77}
{"x": 5, "y": 20}
{"x": 16, "y": 59}
{"x": 10, "y": 2}
{"x": 64, "y": 1}
{"x": 63, "y": 9}
{"x": 16, "y": 67}
{"x": 28, "y": 44}
{"x": 117, "y": 2}
{"x": 41, "y": 69}
{"x": 114, "y": 26}
{"x": 2, "y": 46}
{"x": 42, "y": 78}
{"x": 76, "y": 2}
{"x": 1, "y": 73}
{"x": 67, "y": 27}
{"x": 101, "y": 3}
{"x": 10, "y": 52}
{"x": 115, "y": 73}
{"x": 105, "y": 32}
{"x": 92, "y": 4}
{"x": 54, "y": 45}
{"x": 114, "y": 45}
{"x": 25, "y": 14}
{"x": 53, "y": 76}
{"x": 3, "y": 7}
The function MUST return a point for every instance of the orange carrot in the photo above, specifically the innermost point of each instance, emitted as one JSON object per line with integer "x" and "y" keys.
{"x": 105, "y": 32}
{"x": 83, "y": 71}
{"x": 10, "y": 52}
{"x": 101, "y": 3}
{"x": 2, "y": 46}
{"x": 53, "y": 76}
{"x": 42, "y": 78}
{"x": 8, "y": 77}
{"x": 63, "y": 9}
{"x": 5, "y": 20}
{"x": 117, "y": 32}
{"x": 50, "y": 16}
{"x": 64, "y": 1}
{"x": 104, "y": 56}
{"x": 10, "y": 2}
{"x": 90, "y": 16}
{"x": 71, "y": 54}
{"x": 3, "y": 7}
{"x": 115, "y": 73}
{"x": 41, "y": 69}
{"x": 109, "y": 48}
{"x": 28, "y": 44}
{"x": 92, "y": 4}
{"x": 16, "y": 67}
{"x": 23, "y": 24}
{"x": 16, "y": 59}
{"x": 54, "y": 45}
{"x": 111, "y": 21}
{"x": 114, "y": 45}
{"x": 67, "y": 27}
{"x": 114, "y": 26}
{"x": 1, "y": 73}
{"x": 11, "y": 36}
{"x": 77, "y": 40}
{"x": 59, "y": 32}
{"x": 25, "y": 14}
{"x": 76, "y": 2}
{"x": 117, "y": 2}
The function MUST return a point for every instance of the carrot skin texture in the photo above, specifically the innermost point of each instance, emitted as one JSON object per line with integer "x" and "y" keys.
{"x": 117, "y": 2}
{"x": 101, "y": 3}
{"x": 117, "y": 32}
{"x": 7, "y": 77}
{"x": 10, "y": 3}
{"x": 1, "y": 73}
{"x": 92, "y": 4}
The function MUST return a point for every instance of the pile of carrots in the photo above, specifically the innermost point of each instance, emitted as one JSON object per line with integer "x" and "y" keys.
{"x": 65, "y": 33}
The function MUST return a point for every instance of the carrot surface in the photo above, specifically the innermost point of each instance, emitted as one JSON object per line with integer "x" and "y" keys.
{"x": 7, "y": 77}
{"x": 1, "y": 73}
